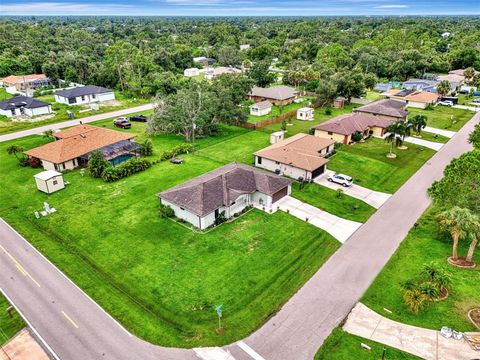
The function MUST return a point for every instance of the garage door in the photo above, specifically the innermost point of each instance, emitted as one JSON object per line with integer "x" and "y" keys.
{"x": 280, "y": 194}
{"x": 318, "y": 171}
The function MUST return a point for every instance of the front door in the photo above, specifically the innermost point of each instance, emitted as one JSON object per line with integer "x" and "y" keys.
{"x": 216, "y": 214}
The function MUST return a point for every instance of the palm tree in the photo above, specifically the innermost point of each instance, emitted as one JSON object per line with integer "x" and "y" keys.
{"x": 469, "y": 73}
{"x": 48, "y": 134}
{"x": 443, "y": 88}
{"x": 474, "y": 234}
{"x": 394, "y": 136}
{"x": 455, "y": 221}
{"x": 14, "y": 150}
{"x": 415, "y": 300}
{"x": 430, "y": 290}
{"x": 418, "y": 122}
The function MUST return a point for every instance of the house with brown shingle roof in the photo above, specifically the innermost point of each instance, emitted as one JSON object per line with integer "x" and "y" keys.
{"x": 300, "y": 156}
{"x": 227, "y": 190}
{"x": 278, "y": 95}
{"x": 342, "y": 127}
{"x": 72, "y": 147}
{"x": 389, "y": 109}
{"x": 417, "y": 99}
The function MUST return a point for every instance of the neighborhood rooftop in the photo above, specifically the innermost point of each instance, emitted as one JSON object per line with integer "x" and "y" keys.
{"x": 415, "y": 96}
{"x": 301, "y": 151}
{"x": 14, "y": 79}
{"x": 280, "y": 92}
{"x": 388, "y": 107}
{"x": 77, "y": 141}
{"x": 349, "y": 124}
{"x": 82, "y": 91}
{"x": 221, "y": 187}
{"x": 21, "y": 101}
{"x": 262, "y": 105}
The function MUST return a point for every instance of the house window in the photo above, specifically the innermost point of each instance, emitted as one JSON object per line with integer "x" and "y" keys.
{"x": 277, "y": 163}
{"x": 55, "y": 182}
{"x": 93, "y": 96}
{"x": 83, "y": 97}
{"x": 182, "y": 208}
{"x": 259, "y": 160}
{"x": 330, "y": 133}
{"x": 233, "y": 203}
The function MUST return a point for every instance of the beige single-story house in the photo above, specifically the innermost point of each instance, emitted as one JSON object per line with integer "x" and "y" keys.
{"x": 190, "y": 72}
{"x": 84, "y": 95}
{"x": 301, "y": 156}
{"x": 72, "y": 147}
{"x": 261, "y": 108}
{"x": 342, "y": 127}
{"x": 413, "y": 98}
{"x": 278, "y": 95}
{"x": 49, "y": 181}
{"x": 305, "y": 113}
{"x": 24, "y": 83}
{"x": 388, "y": 109}
{"x": 24, "y": 105}
{"x": 225, "y": 191}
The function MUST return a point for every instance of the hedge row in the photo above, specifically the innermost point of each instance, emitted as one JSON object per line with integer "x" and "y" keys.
{"x": 127, "y": 168}
{"x": 177, "y": 150}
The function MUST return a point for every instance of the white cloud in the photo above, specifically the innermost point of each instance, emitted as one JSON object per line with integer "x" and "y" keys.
{"x": 63, "y": 8}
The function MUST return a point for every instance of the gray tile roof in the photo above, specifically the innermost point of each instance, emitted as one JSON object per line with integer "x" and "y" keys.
{"x": 22, "y": 101}
{"x": 83, "y": 90}
{"x": 280, "y": 92}
{"x": 221, "y": 187}
{"x": 262, "y": 105}
{"x": 388, "y": 107}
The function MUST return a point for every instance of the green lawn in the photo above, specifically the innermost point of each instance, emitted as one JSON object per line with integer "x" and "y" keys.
{"x": 159, "y": 279}
{"x": 341, "y": 345}
{"x": 304, "y": 126}
{"x": 324, "y": 198}
{"x": 373, "y": 95}
{"x": 368, "y": 165}
{"x": 4, "y": 95}
{"x": 276, "y": 111}
{"x": 8, "y": 126}
{"x": 432, "y": 137}
{"x": 9, "y": 325}
{"x": 444, "y": 117}
{"x": 424, "y": 245}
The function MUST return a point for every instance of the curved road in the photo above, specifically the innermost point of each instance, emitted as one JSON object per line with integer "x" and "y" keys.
{"x": 77, "y": 328}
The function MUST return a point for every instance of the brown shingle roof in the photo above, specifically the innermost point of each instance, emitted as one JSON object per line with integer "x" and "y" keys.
{"x": 221, "y": 187}
{"x": 349, "y": 124}
{"x": 388, "y": 107}
{"x": 77, "y": 141}
{"x": 301, "y": 151}
{"x": 280, "y": 92}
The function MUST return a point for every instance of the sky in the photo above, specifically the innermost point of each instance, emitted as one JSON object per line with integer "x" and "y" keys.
{"x": 240, "y": 7}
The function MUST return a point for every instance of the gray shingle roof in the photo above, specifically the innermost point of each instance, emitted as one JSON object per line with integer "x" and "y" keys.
{"x": 262, "y": 105}
{"x": 280, "y": 92}
{"x": 221, "y": 187}
{"x": 349, "y": 124}
{"x": 22, "y": 101}
{"x": 83, "y": 90}
{"x": 388, "y": 107}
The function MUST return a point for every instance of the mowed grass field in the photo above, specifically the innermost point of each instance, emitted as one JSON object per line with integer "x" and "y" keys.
{"x": 444, "y": 117}
{"x": 159, "y": 279}
{"x": 9, "y": 324}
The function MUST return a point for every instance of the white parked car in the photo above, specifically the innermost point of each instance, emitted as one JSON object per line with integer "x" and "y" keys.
{"x": 446, "y": 103}
{"x": 341, "y": 179}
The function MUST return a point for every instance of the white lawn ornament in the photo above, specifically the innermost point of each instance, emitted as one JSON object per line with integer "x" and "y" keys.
{"x": 37, "y": 215}
{"x": 46, "y": 207}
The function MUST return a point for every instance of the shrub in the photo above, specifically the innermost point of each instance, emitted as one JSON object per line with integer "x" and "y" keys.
{"x": 429, "y": 107}
{"x": 34, "y": 162}
{"x": 179, "y": 149}
{"x": 328, "y": 110}
{"x": 339, "y": 193}
{"x": 146, "y": 148}
{"x": 357, "y": 136}
{"x": 221, "y": 218}
{"x": 23, "y": 161}
{"x": 127, "y": 168}
{"x": 97, "y": 164}
{"x": 166, "y": 211}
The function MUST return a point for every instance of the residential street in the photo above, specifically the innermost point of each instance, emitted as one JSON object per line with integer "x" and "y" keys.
{"x": 76, "y": 328}
{"x": 85, "y": 120}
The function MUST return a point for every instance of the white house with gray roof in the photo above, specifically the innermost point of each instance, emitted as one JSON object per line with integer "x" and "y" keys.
{"x": 261, "y": 108}
{"x": 84, "y": 95}
{"x": 24, "y": 105}
{"x": 227, "y": 190}
{"x": 278, "y": 95}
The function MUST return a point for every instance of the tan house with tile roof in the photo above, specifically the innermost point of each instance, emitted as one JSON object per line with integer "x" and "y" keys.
{"x": 416, "y": 99}
{"x": 19, "y": 83}
{"x": 300, "y": 156}
{"x": 72, "y": 147}
{"x": 388, "y": 109}
{"x": 341, "y": 128}
{"x": 227, "y": 190}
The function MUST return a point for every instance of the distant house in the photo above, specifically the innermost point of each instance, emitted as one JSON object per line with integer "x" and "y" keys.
{"x": 225, "y": 191}
{"x": 300, "y": 156}
{"x": 205, "y": 61}
{"x": 305, "y": 114}
{"x": 278, "y": 95}
{"x": 211, "y": 73}
{"x": 261, "y": 108}
{"x": 244, "y": 47}
{"x": 341, "y": 128}
{"x": 73, "y": 146}
{"x": 191, "y": 72}
{"x": 382, "y": 87}
{"x": 388, "y": 109}
{"x": 421, "y": 84}
{"x": 22, "y": 83}
{"x": 417, "y": 99}
{"x": 24, "y": 105}
{"x": 84, "y": 95}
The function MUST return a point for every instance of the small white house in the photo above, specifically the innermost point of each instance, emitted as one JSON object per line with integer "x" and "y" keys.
{"x": 276, "y": 137}
{"x": 24, "y": 105}
{"x": 49, "y": 181}
{"x": 305, "y": 113}
{"x": 261, "y": 108}
{"x": 190, "y": 72}
{"x": 84, "y": 95}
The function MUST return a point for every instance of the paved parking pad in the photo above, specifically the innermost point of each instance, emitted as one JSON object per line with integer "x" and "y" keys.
{"x": 339, "y": 228}
{"x": 371, "y": 197}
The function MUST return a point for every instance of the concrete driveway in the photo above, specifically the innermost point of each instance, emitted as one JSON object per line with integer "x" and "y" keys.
{"x": 373, "y": 198}
{"x": 341, "y": 229}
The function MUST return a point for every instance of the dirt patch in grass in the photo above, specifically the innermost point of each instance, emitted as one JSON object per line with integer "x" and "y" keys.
{"x": 474, "y": 316}
{"x": 461, "y": 263}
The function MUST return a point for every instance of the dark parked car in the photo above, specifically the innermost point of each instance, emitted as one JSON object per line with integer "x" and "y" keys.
{"x": 122, "y": 122}
{"x": 139, "y": 117}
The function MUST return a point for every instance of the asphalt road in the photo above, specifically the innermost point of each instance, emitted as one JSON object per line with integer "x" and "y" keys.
{"x": 78, "y": 329}
{"x": 64, "y": 124}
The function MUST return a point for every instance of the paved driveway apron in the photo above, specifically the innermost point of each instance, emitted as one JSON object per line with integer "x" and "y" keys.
{"x": 373, "y": 198}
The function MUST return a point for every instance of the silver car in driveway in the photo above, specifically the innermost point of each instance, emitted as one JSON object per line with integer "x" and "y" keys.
{"x": 341, "y": 179}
